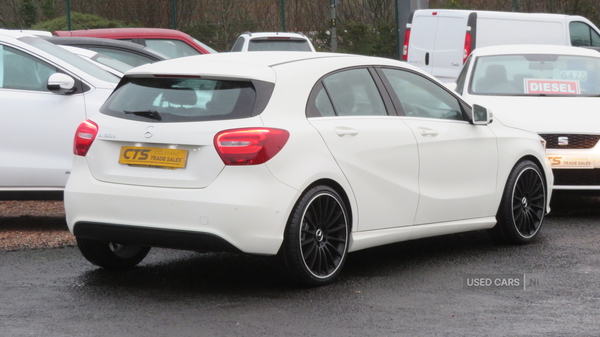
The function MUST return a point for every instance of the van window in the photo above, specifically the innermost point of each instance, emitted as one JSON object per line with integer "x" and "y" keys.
{"x": 529, "y": 74}
{"x": 583, "y": 35}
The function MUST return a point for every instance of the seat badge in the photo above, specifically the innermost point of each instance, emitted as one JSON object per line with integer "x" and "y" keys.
{"x": 563, "y": 141}
{"x": 149, "y": 132}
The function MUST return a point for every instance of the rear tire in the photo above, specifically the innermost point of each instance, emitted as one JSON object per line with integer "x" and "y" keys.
{"x": 316, "y": 238}
{"x": 523, "y": 206}
{"x": 111, "y": 255}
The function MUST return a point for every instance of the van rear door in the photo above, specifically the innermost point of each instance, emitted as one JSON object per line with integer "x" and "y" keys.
{"x": 437, "y": 42}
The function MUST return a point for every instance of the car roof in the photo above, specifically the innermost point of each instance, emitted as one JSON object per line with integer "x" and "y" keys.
{"x": 123, "y": 32}
{"x": 533, "y": 49}
{"x": 255, "y": 65}
{"x": 102, "y": 42}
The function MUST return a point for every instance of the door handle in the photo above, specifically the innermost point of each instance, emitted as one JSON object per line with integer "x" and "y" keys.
{"x": 426, "y": 59}
{"x": 427, "y": 132}
{"x": 345, "y": 131}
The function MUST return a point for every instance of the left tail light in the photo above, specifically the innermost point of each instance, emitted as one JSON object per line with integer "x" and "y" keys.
{"x": 468, "y": 48}
{"x": 249, "y": 146}
{"x": 84, "y": 137}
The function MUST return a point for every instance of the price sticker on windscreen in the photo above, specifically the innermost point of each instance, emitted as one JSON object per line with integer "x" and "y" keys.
{"x": 551, "y": 87}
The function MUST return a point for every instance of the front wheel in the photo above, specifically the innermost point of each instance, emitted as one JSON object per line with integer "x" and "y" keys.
{"x": 111, "y": 255}
{"x": 523, "y": 205}
{"x": 316, "y": 237}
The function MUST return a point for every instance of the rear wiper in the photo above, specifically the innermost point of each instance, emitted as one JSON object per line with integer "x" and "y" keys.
{"x": 146, "y": 113}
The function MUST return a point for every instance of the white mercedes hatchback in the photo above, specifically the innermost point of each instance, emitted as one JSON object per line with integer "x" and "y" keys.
{"x": 306, "y": 155}
{"x": 552, "y": 90}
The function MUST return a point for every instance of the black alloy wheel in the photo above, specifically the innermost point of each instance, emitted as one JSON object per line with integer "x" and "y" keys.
{"x": 523, "y": 206}
{"x": 317, "y": 236}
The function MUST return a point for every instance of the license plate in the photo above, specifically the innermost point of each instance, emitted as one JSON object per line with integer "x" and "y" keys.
{"x": 571, "y": 161}
{"x": 153, "y": 157}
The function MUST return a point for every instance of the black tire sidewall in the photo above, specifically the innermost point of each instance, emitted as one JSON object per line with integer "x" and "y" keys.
{"x": 292, "y": 253}
{"x": 506, "y": 230}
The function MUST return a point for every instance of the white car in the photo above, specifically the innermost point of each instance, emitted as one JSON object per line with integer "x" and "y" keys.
{"x": 309, "y": 156}
{"x": 272, "y": 41}
{"x": 552, "y": 90}
{"x": 45, "y": 92}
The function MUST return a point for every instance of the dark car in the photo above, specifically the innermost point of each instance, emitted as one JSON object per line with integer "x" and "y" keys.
{"x": 128, "y": 52}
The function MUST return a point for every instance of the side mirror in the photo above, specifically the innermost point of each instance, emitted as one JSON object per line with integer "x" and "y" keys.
{"x": 481, "y": 115}
{"x": 59, "y": 83}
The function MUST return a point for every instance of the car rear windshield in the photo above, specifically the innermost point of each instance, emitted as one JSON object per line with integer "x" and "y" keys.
{"x": 278, "y": 45}
{"x": 181, "y": 99}
{"x": 536, "y": 75}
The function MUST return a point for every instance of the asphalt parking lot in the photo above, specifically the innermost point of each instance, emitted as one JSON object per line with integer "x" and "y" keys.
{"x": 417, "y": 288}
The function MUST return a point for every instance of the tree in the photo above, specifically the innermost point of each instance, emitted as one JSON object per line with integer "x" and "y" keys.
{"x": 78, "y": 21}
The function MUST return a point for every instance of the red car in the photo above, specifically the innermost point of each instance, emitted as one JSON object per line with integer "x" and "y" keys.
{"x": 169, "y": 42}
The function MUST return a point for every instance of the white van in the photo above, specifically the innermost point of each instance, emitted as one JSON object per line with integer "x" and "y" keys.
{"x": 440, "y": 40}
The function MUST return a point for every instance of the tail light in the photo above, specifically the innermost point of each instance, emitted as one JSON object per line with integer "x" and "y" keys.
{"x": 249, "y": 146}
{"x": 84, "y": 137}
{"x": 467, "y": 49}
{"x": 405, "y": 47}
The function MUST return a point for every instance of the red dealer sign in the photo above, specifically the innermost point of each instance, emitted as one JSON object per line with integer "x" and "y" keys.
{"x": 551, "y": 87}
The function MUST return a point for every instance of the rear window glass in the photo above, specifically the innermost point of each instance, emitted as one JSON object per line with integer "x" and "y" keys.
{"x": 278, "y": 45}
{"x": 181, "y": 99}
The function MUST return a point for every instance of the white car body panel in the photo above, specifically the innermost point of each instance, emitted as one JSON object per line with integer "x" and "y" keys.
{"x": 249, "y": 206}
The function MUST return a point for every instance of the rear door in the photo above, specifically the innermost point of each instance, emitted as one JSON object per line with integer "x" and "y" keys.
{"x": 437, "y": 41}
{"x": 377, "y": 152}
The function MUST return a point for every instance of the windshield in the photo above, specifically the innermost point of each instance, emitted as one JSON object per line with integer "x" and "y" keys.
{"x": 181, "y": 99}
{"x": 536, "y": 75}
{"x": 70, "y": 58}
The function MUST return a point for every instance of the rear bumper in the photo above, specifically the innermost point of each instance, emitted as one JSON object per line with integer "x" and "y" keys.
{"x": 234, "y": 213}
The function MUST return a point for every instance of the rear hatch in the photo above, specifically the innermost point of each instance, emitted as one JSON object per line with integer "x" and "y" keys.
{"x": 159, "y": 130}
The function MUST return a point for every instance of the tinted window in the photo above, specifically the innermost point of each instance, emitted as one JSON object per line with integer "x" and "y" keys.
{"x": 181, "y": 99}
{"x": 544, "y": 74}
{"x": 421, "y": 97}
{"x": 352, "y": 93}
{"x": 278, "y": 45}
{"x": 239, "y": 44}
{"x": 19, "y": 70}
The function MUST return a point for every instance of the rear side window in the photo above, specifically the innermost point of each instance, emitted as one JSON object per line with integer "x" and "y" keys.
{"x": 181, "y": 99}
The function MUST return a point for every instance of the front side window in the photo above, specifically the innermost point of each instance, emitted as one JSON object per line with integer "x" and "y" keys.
{"x": 181, "y": 99}
{"x": 583, "y": 35}
{"x": 19, "y": 70}
{"x": 462, "y": 77}
{"x": 421, "y": 97}
{"x": 536, "y": 75}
